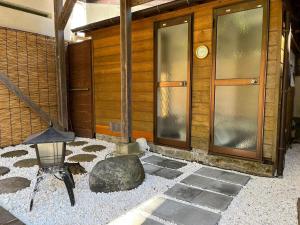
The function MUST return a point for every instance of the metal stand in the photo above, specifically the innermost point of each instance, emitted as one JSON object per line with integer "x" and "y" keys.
{"x": 65, "y": 175}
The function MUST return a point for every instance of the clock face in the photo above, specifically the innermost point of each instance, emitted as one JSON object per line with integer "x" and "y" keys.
{"x": 202, "y": 52}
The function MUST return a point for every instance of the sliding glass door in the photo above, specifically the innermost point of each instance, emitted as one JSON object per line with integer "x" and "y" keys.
{"x": 172, "y": 85}
{"x": 238, "y": 82}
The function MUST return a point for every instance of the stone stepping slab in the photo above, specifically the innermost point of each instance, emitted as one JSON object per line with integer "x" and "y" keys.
{"x": 168, "y": 163}
{"x": 4, "y": 170}
{"x": 200, "y": 197}
{"x": 82, "y": 158}
{"x": 77, "y": 143}
{"x": 16, "y": 153}
{"x": 68, "y": 152}
{"x": 161, "y": 172}
{"x": 26, "y": 163}
{"x": 179, "y": 213}
{"x": 93, "y": 148}
{"x": 224, "y": 175}
{"x": 6, "y": 218}
{"x": 13, "y": 184}
{"x": 212, "y": 185}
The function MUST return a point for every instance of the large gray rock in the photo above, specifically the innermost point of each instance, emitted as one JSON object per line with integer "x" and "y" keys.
{"x": 117, "y": 174}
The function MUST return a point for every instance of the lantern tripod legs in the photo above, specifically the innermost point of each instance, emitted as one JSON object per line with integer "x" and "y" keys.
{"x": 69, "y": 182}
{"x": 38, "y": 181}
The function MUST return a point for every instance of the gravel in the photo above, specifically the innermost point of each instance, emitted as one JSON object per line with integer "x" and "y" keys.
{"x": 264, "y": 201}
{"x": 52, "y": 205}
{"x": 268, "y": 201}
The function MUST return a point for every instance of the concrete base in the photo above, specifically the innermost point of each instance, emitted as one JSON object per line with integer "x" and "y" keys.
{"x": 128, "y": 149}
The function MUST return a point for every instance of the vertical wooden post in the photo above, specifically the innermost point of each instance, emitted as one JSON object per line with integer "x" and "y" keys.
{"x": 125, "y": 41}
{"x": 61, "y": 66}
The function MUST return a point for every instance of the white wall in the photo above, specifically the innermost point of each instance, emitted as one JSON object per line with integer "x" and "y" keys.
{"x": 27, "y": 22}
{"x": 32, "y": 23}
{"x": 297, "y": 97}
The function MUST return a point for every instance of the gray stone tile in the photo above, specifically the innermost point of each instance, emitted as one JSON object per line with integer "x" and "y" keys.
{"x": 212, "y": 185}
{"x": 209, "y": 172}
{"x": 224, "y": 175}
{"x": 212, "y": 200}
{"x": 235, "y": 178}
{"x": 224, "y": 188}
{"x": 183, "y": 192}
{"x": 150, "y": 169}
{"x": 180, "y": 213}
{"x": 134, "y": 218}
{"x": 197, "y": 181}
{"x": 167, "y": 173}
{"x": 160, "y": 161}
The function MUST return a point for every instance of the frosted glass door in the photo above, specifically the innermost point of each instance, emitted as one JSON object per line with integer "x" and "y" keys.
{"x": 172, "y": 82}
{"x": 239, "y": 69}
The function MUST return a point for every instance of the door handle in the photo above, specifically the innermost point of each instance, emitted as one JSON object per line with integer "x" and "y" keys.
{"x": 79, "y": 89}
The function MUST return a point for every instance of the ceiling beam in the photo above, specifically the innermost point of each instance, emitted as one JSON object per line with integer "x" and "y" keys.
{"x": 65, "y": 13}
{"x": 115, "y": 2}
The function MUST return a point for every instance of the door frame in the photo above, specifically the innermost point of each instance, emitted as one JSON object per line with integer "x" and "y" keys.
{"x": 239, "y": 153}
{"x": 166, "y": 23}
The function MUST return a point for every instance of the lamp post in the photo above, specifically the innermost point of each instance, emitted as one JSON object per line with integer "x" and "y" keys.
{"x": 50, "y": 148}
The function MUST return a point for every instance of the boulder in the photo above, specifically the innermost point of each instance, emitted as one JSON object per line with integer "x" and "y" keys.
{"x": 117, "y": 174}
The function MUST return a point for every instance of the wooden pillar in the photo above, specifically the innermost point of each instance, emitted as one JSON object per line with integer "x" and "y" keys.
{"x": 125, "y": 36}
{"x": 61, "y": 66}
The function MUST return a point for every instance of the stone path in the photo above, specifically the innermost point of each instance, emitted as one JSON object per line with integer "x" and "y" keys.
{"x": 198, "y": 199}
{"x": 82, "y": 158}
{"x": 93, "y": 148}
{"x": 6, "y": 218}
{"x": 13, "y": 184}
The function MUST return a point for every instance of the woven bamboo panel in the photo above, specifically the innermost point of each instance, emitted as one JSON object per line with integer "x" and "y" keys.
{"x": 29, "y": 61}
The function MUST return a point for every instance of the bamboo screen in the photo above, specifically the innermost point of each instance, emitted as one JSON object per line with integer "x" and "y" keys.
{"x": 29, "y": 61}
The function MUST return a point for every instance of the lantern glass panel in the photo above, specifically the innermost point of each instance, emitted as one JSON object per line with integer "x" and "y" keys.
{"x": 51, "y": 154}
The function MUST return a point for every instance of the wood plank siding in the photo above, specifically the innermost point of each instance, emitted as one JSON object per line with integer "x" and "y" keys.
{"x": 29, "y": 61}
{"x": 106, "y": 66}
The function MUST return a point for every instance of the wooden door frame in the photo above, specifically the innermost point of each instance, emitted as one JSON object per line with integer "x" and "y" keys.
{"x": 159, "y": 24}
{"x": 239, "y": 153}
{"x": 91, "y": 85}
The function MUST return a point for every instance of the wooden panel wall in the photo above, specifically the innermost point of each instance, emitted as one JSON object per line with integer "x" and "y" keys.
{"x": 29, "y": 61}
{"x": 107, "y": 74}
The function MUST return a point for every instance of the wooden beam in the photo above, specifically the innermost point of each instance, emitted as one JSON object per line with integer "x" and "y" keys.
{"x": 65, "y": 14}
{"x": 26, "y": 100}
{"x": 139, "y": 2}
{"x": 61, "y": 66}
{"x": 115, "y": 2}
{"x": 125, "y": 41}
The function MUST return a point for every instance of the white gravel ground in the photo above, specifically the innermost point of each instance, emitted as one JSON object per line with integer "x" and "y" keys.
{"x": 264, "y": 201}
{"x": 268, "y": 201}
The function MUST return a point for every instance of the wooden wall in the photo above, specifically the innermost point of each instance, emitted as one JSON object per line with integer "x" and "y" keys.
{"x": 29, "y": 61}
{"x": 107, "y": 75}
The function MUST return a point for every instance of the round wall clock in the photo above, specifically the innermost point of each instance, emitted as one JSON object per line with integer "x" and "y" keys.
{"x": 202, "y": 52}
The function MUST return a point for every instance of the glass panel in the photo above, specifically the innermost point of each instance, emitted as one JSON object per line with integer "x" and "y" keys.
{"x": 236, "y": 114}
{"x": 172, "y": 55}
{"x": 171, "y": 113}
{"x": 51, "y": 153}
{"x": 239, "y": 44}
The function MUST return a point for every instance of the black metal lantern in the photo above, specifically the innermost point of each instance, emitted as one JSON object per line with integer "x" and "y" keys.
{"x": 50, "y": 147}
